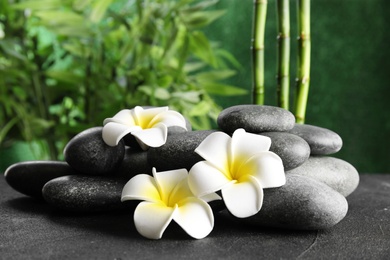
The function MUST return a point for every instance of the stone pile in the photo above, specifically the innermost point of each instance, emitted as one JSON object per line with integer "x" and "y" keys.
{"x": 92, "y": 178}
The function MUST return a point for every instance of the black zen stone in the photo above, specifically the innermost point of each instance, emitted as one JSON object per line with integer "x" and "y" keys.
{"x": 255, "y": 119}
{"x": 336, "y": 173}
{"x": 30, "y": 177}
{"x": 322, "y": 141}
{"x": 292, "y": 149}
{"x": 135, "y": 162}
{"x": 178, "y": 152}
{"x": 302, "y": 204}
{"x": 80, "y": 193}
{"x": 89, "y": 154}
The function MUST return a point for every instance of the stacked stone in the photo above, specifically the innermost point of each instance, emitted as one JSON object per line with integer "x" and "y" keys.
{"x": 92, "y": 178}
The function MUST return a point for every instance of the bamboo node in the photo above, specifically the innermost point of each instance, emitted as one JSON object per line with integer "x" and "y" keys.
{"x": 283, "y": 36}
{"x": 259, "y": 2}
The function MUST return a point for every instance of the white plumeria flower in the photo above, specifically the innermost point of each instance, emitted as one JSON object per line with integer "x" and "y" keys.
{"x": 240, "y": 166}
{"x": 167, "y": 196}
{"x": 149, "y": 126}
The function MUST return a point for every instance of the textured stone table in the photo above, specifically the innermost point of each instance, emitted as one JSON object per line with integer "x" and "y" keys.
{"x": 30, "y": 229}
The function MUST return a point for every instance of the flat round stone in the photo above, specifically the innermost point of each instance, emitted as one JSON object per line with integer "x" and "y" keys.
{"x": 302, "y": 203}
{"x": 30, "y": 177}
{"x": 82, "y": 193}
{"x": 255, "y": 119}
{"x": 134, "y": 162}
{"x": 336, "y": 173}
{"x": 89, "y": 154}
{"x": 322, "y": 141}
{"x": 178, "y": 151}
{"x": 292, "y": 149}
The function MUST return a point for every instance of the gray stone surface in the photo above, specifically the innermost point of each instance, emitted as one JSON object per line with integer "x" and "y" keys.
{"x": 292, "y": 149}
{"x": 30, "y": 177}
{"x": 89, "y": 154}
{"x": 322, "y": 141}
{"x": 178, "y": 152}
{"x": 255, "y": 119}
{"x": 31, "y": 229}
{"x": 336, "y": 173}
{"x": 134, "y": 162}
{"x": 82, "y": 193}
{"x": 302, "y": 203}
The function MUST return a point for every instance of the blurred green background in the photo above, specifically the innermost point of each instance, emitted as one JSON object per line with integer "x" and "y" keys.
{"x": 350, "y": 61}
{"x": 350, "y": 70}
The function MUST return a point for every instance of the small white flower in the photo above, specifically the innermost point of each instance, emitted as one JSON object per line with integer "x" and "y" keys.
{"x": 148, "y": 126}
{"x": 240, "y": 166}
{"x": 166, "y": 197}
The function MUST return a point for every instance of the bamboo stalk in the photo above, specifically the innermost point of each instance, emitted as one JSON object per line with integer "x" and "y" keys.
{"x": 283, "y": 69}
{"x": 260, "y": 13}
{"x": 303, "y": 75}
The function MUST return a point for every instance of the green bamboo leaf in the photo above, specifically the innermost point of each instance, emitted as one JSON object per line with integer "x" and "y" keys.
{"x": 148, "y": 90}
{"x": 215, "y": 75}
{"x": 201, "y": 18}
{"x": 229, "y": 57}
{"x": 64, "y": 76}
{"x": 7, "y": 127}
{"x": 99, "y": 9}
{"x": 181, "y": 4}
{"x": 201, "y": 47}
{"x": 71, "y": 30}
{"x": 190, "y": 96}
{"x": 34, "y": 5}
{"x": 8, "y": 47}
{"x": 200, "y": 109}
{"x": 80, "y": 5}
{"x": 77, "y": 50}
{"x": 193, "y": 66}
{"x": 165, "y": 81}
{"x": 223, "y": 90}
{"x": 199, "y": 6}
{"x": 162, "y": 93}
{"x": 52, "y": 18}
{"x": 20, "y": 93}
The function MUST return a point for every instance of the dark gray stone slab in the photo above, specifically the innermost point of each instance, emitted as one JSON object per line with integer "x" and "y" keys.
{"x": 302, "y": 203}
{"x": 292, "y": 149}
{"x": 89, "y": 154}
{"x": 30, "y": 177}
{"x": 178, "y": 152}
{"x": 36, "y": 230}
{"x": 336, "y": 173}
{"x": 255, "y": 119}
{"x": 322, "y": 141}
{"x": 84, "y": 193}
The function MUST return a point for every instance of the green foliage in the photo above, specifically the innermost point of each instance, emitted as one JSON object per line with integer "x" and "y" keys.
{"x": 65, "y": 65}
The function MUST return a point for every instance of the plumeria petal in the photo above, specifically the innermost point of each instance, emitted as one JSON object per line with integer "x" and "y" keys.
{"x": 113, "y": 132}
{"x": 141, "y": 187}
{"x": 215, "y": 149}
{"x": 204, "y": 178}
{"x": 169, "y": 118}
{"x": 144, "y": 116}
{"x": 244, "y": 145}
{"x": 267, "y": 168}
{"x": 195, "y": 217}
{"x": 168, "y": 181}
{"x": 211, "y": 197}
{"x": 243, "y": 199}
{"x": 180, "y": 192}
{"x": 152, "y": 137}
{"x": 124, "y": 116}
{"x": 151, "y": 219}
